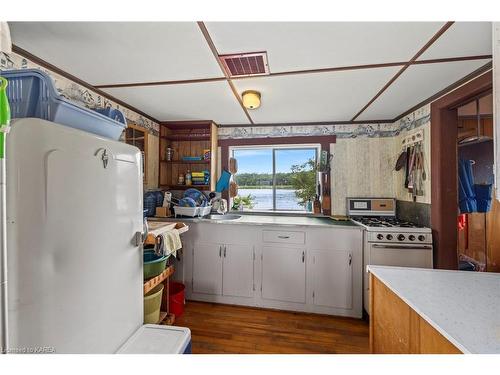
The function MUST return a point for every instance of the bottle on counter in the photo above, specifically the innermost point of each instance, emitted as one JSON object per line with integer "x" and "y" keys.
{"x": 188, "y": 178}
{"x": 309, "y": 206}
{"x": 317, "y": 205}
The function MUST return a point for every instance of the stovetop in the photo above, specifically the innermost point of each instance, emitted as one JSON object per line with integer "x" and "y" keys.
{"x": 389, "y": 224}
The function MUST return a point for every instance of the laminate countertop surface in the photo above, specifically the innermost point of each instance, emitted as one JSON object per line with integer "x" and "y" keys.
{"x": 463, "y": 306}
{"x": 270, "y": 220}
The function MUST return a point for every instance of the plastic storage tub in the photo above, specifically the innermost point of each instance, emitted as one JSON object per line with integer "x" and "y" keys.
{"x": 152, "y": 305}
{"x": 153, "y": 264}
{"x": 31, "y": 93}
{"x": 158, "y": 339}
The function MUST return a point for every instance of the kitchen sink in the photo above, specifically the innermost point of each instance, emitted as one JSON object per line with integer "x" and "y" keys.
{"x": 222, "y": 217}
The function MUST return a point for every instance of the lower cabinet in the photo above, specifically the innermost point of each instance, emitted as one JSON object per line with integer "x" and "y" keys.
{"x": 207, "y": 268}
{"x": 238, "y": 270}
{"x": 284, "y": 274}
{"x": 331, "y": 278}
{"x": 309, "y": 270}
{"x": 223, "y": 269}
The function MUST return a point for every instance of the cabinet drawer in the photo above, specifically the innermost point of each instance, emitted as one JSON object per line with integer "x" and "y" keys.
{"x": 298, "y": 238}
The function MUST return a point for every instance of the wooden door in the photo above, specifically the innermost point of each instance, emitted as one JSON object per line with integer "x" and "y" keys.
{"x": 284, "y": 274}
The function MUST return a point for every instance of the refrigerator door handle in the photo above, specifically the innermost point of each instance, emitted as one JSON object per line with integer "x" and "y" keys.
{"x": 140, "y": 237}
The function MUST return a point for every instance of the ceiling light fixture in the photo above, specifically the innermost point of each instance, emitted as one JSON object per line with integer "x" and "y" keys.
{"x": 251, "y": 99}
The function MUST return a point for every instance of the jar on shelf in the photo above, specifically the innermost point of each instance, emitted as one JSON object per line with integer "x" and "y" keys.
{"x": 169, "y": 154}
{"x": 180, "y": 180}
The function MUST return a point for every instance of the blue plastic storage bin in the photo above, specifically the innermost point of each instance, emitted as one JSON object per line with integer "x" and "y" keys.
{"x": 31, "y": 93}
{"x": 113, "y": 114}
{"x": 149, "y": 203}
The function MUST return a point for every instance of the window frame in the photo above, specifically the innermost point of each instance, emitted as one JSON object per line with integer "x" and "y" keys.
{"x": 274, "y": 148}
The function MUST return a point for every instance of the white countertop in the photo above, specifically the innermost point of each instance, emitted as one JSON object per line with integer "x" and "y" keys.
{"x": 272, "y": 220}
{"x": 463, "y": 306}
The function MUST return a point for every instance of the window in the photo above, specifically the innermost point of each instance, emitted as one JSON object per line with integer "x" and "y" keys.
{"x": 277, "y": 178}
{"x": 138, "y": 137}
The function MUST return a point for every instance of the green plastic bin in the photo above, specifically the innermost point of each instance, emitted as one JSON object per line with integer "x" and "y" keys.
{"x": 153, "y": 264}
{"x": 152, "y": 305}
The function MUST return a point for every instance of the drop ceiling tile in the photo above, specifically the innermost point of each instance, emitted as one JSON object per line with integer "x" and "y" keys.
{"x": 462, "y": 39}
{"x": 120, "y": 52}
{"x": 334, "y": 96}
{"x": 312, "y": 45}
{"x": 196, "y": 101}
{"x": 416, "y": 84}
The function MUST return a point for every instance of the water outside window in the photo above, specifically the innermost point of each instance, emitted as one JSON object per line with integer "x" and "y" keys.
{"x": 276, "y": 178}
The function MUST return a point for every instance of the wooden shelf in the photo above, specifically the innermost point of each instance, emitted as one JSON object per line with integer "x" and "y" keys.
{"x": 186, "y": 161}
{"x": 186, "y": 138}
{"x": 185, "y": 187}
{"x": 151, "y": 283}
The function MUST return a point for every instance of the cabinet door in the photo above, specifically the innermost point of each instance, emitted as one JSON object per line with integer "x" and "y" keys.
{"x": 237, "y": 270}
{"x": 331, "y": 274}
{"x": 207, "y": 268}
{"x": 284, "y": 274}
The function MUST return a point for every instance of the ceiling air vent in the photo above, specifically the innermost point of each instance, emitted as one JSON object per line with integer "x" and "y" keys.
{"x": 245, "y": 64}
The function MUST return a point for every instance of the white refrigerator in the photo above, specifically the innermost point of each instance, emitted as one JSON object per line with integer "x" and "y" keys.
{"x": 74, "y": 207}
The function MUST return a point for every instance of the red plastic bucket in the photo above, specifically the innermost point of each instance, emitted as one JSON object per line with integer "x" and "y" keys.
{"x": 176, "y": 298}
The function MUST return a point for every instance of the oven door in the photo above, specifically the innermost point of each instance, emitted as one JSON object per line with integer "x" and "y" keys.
{"x": 394, "y": 254}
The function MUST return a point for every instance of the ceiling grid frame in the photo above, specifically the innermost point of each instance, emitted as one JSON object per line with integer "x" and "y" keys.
{"x": 212, "y": 47}
{"x": 214, "y": 50}
{"x": 436, "y": 36}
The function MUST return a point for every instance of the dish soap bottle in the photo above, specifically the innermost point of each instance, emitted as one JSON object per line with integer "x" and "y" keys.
{"x": 188, "y": 180}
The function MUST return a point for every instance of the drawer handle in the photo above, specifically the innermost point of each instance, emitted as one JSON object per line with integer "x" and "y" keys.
{"x": 284, "y": 237}
{"x": 303, "y": 256}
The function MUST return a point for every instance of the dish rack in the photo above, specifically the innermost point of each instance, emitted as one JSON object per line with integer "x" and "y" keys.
{"x": 192, "y": 211}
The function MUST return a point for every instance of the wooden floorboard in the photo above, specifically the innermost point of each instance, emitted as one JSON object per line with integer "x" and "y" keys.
{"x": 219, "y": 329}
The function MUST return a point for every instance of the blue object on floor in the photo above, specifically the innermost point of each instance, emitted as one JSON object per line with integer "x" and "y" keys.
{"x": 31, "y": 93}
{"x": 466, "y": 194}
{"x": 223, "y": 183}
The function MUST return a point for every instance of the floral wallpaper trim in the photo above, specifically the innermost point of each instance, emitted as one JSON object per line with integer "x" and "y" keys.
{"x": 414, "y": 120}
{"x": 77, "y": 93}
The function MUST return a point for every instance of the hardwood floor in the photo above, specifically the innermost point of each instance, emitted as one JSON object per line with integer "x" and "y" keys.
{"x": 218, "y": 329}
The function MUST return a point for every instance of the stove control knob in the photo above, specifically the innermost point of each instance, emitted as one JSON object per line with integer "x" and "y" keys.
{"x": 421, "y": 237}
{"x": 389, "y": 237}
{"x": 411, "y": 237}
{"x": 380, "y": 236}
{"x": 401, "y": 237}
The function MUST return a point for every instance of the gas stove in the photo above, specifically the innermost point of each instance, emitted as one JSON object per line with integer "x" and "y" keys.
{"x": 378, "y": 217}
{"x": 389, "y": 241}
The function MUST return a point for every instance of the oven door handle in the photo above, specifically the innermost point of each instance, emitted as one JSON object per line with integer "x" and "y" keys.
{"x": 409, "y": 247}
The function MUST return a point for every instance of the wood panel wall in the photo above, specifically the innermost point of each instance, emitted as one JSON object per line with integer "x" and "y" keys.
{"x": 395, "y": 328}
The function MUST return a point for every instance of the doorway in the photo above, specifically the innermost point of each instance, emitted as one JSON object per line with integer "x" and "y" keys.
{"x": 444, "y": 168}
{"x": 475, "y": 183}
